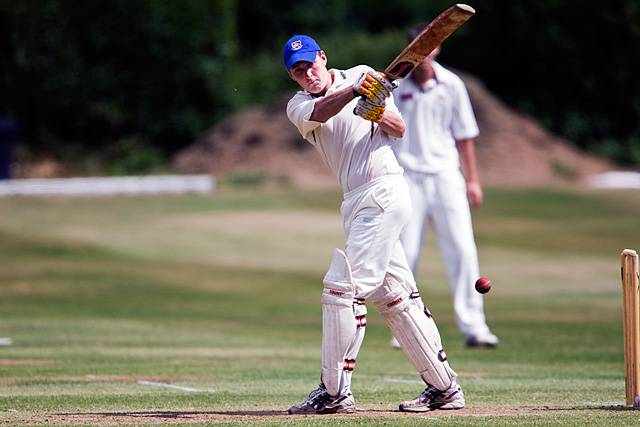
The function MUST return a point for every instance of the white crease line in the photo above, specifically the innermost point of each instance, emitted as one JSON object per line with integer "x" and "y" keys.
{"x": 401, "y": 381}
{"x": 175, "y": 387}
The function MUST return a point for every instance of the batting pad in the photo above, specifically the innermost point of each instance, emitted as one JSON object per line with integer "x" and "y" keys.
{"x": 339, "y": 325}
{"x": 360, "y": 313}
{"x": 416, "y": 332}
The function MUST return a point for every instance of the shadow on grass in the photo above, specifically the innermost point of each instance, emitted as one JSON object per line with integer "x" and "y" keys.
{"x": 621, "y": 408}
{"x": 203, "y": 416}
{"x": 177, "y": 414}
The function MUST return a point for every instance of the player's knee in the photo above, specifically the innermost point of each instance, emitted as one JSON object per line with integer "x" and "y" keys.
{"x": 391, "y": 296}
{"x": 338, "y": 282}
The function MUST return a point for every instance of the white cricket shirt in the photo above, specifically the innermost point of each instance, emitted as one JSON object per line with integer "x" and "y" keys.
{"x": 355, "y": 149}
{"x": 435, "y": 118}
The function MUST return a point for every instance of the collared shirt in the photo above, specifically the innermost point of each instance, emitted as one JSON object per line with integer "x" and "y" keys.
{"x": 435, "y": 117}
{"x": 355, "y": 149}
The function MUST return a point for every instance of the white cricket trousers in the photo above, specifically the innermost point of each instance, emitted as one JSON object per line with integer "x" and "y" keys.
{"x": 374, "y": 215}
{"x": 441, "y": 199}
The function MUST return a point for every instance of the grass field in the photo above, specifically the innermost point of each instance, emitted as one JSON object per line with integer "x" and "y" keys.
{"x": 205, "y": 310}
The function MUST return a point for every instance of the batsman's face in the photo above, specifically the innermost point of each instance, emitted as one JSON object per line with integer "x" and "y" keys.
{"x": 312, "y": 76}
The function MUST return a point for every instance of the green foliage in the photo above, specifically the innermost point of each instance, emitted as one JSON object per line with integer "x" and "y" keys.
{"x": 96, "y": 71}
{"x": 90, "y": 73}
{"x": 132, "y": 156}
{"x": 376, "y": 50}
{"x": 625, "y": 152}
{"x": 567, "y": 62}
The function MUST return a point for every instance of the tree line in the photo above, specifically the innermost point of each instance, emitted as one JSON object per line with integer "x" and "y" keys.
{"x": 149, "y": 76}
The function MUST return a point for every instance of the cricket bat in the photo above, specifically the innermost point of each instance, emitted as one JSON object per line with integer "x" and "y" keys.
{"x": 431, "y": 37}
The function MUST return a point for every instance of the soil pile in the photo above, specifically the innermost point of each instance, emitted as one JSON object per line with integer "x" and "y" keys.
{"x": 512, "y": 150}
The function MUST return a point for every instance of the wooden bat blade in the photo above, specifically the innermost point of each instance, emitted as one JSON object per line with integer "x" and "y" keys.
{"x": 431, "y": 37}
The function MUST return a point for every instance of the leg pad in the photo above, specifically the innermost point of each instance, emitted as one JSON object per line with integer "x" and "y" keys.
{"x": 343, "y": 321}
{"x": 416, "y": 332}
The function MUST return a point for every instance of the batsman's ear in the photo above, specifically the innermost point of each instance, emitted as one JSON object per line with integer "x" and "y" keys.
{"x": 322, "y": 56}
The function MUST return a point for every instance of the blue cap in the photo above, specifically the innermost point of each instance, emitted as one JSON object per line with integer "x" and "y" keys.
{"x": 299, "y": 48}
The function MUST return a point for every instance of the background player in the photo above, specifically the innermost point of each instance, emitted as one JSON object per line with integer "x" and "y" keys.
{"x": 441, "y": 128}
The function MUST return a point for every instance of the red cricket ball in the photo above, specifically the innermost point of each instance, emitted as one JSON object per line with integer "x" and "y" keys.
{"x": 483, "y": 285}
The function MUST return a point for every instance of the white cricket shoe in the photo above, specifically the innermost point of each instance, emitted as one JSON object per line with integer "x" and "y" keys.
{"x": 394, "y": 343}
{"x": 321, "y": 402}
{"x": 487, "y": 340}
{"x": 432, "y": 398}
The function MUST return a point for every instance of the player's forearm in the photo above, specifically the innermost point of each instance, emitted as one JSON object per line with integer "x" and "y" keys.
{"x": 466, "y": 148}
{"x": 330, "y": 105}
{"x": 392, "y": 124}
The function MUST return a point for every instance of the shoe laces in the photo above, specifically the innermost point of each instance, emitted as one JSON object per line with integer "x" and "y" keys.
{"x": 318, "y": 396}
{"x": 430, "y": 393}
{"x": 321, "y": 389}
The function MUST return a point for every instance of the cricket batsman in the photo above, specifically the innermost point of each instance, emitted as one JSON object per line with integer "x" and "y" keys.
{"x": 349, "y": 116}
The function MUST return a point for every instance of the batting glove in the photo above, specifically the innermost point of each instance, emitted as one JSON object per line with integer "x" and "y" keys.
{"x": 374, "y": 86}
{"x": 368, "y": 110}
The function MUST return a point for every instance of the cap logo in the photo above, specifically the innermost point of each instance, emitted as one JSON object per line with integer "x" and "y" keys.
{"x": 296, "y": 45}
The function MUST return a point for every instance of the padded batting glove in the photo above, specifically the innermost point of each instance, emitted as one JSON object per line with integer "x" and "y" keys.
{"x": 374, "y": 86}
{"x": 368, "y": 110}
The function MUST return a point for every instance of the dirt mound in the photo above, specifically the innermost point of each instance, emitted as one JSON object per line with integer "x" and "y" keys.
{"x": 512, "y": 150}
{"x": 256, "y": 140}
{"x": 515, "y": 150}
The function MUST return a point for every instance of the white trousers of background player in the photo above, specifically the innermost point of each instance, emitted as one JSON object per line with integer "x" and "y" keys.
{"x": 441, "y": 199}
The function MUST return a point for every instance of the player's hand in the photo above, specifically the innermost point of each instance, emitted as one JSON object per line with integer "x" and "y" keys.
{"x": 474, "y": 194}
{"x": 374, "y": 86}
{"x": 368, "y": 110}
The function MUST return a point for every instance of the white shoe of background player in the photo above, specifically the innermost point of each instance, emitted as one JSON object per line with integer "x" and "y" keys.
{"x": 482, "y": 340}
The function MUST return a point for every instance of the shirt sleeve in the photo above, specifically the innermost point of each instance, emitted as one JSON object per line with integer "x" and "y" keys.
{"x": 392, "y": 106}
{"x": 464, "y": 125}
{"x": 299, "y": 110}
